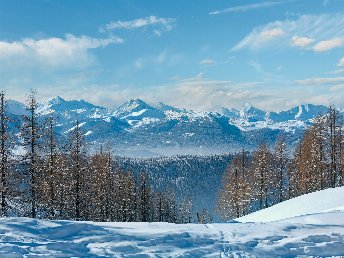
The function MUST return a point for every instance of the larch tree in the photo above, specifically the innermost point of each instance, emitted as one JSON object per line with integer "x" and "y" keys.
{"x": 186, "y": 210}
{"x": 78, "y": 166}
{"x": 4, "y": 152}
{"x": 281, "y": 168}
{"x": 100, "y": 186}
{"x": 334, "y": 139}
{"x": 51, "y": 165}
{"x": 265, "y": 179}
{"x": 145, "y": 201}
{"x": 235, "y": 196}
{"x": 32, "y": 134}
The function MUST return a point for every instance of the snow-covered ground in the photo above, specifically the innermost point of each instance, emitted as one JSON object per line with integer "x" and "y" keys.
{"x": 321, "y": 201}
{"x": 315, "y": 234}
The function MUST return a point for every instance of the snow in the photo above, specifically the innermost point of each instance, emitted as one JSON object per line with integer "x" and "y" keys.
{"x": 319, "y": 233}
{"x": 321, "y": 201}
{"x": 74, "y": 127}
{"x": 137, "y": 113}
{"x": 88, "y": 133}
{"x": 29, "y": 237}
{"x": 299, "y": 113}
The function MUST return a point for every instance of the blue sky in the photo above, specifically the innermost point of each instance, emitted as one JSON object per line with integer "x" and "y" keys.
{"x": 193, "y": 54}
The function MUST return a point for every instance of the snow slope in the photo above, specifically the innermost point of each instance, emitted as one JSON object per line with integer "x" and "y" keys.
{"x": 23, "y": 237}
{"x": 315, "y": 228}
{"x": 328, "y": 200}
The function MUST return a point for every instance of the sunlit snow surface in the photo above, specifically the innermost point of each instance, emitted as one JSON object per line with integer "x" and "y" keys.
{"x": 312, "y": 235}
{"x": 321, "y": 201}
{"x": 320, "y": 233}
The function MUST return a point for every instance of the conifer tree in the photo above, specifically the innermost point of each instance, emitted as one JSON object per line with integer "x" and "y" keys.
{"x": 185, "y": 210}
{"x": 281, "y": 166}
{"x": 51, "y": 165}
{"x": 78, "y": 169}
{"x": 144, "y": 205}
{"x": 334, "y": 139}
{"x": 31, "y": 134}
{"x": 4, "y": 152}
{"x": 235, "y": 196}
{"x": 265, "y": 179}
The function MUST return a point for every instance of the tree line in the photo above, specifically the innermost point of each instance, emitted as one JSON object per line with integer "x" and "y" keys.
{"x": 64, "y": 181}
{"x": 269, "y": 176}
{"x": 60, "y": 179}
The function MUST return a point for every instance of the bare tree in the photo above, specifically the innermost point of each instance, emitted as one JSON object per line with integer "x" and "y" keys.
{"x": 31, "y": 134}
{"x": 4, "y": 152}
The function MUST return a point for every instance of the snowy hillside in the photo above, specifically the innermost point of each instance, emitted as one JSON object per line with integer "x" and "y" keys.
{"x": 136, "y": 127}
{"x": 23, "y": 237}
{"x": 318, "y": 202}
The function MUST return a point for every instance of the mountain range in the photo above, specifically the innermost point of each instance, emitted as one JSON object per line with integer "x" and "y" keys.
{"x": 136, "y": 128}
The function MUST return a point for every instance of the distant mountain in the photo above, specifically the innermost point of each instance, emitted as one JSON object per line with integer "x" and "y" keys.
{"x": 137, "y": 128}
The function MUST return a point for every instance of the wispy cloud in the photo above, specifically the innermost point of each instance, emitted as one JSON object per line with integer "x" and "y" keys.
{"x": 304, "y": 31}
{"x": 165, "y": 24}
{"x": 197, "y": 93}
{"x": 52, "y": 52}
{"x": 321, "y": 81}
{"x": 327, "y": 45}
{"x": 341, "y": 62}
{"x": 338, "y": 71}
{"x": 249, "y": 7}
{"x": 301, "y": 41}
{"x": 207, "y": 62}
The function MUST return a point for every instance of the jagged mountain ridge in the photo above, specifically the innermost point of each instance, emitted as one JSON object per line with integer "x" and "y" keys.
{"x": 138, "y": 127}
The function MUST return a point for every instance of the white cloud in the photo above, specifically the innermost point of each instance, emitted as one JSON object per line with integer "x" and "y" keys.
{"x": 52, "y": 52}
{"x": 245, "y": 8}
{"x": 321, "y": 81}
{"x": 260, "y": 38}
{"x": 301, "y": 41}
{"x": 198, "y": 93}
{"x": 338, "y": 71}
{"x": 165, "y": 23}
{"x": 205, "y": 94}
{"x": 341, "y": 62}
{"x": 207, "y": 62}
{"x": 317, "y": 27}
{"x": 327, "y": 45}
{"x": 270, "y": 34}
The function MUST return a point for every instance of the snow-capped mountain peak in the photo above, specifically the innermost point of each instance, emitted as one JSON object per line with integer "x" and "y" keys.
{"x": 137, "y": 123}
{"x": 57, "y": 100}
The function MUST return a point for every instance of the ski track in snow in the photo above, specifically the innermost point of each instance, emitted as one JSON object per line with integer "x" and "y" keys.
{"x": 24, "y": 237}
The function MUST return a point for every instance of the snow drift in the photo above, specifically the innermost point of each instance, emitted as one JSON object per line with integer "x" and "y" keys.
{"x": 328, "y": 200}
